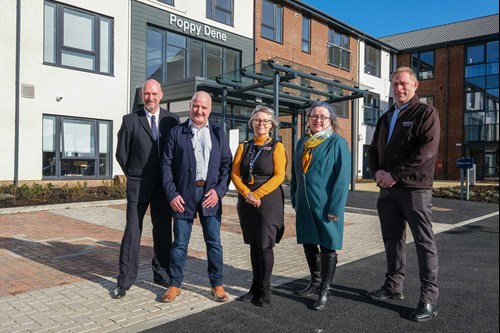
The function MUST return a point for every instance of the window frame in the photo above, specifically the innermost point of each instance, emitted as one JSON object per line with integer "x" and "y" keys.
{"x": 213, "y": 8}
{"x": 343, "y": 47}
{"x": 97, "y": 52}
{"x": 416, "y": 65}
{"x": 306, "y": 35}
{"x": 371, "y": 105}
{"x": 167, "y": 2}
{"x": 53, "y": 161}
{"x": 164, "y": 76}
{"x": 277, "y": 36}
{"x": 376, "y": 68}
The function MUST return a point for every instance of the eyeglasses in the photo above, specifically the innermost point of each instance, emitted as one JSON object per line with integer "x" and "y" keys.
{"x": 320, "y": 118}
{"x": 263, "y": 121}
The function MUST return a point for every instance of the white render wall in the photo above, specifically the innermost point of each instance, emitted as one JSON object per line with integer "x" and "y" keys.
{"x": 83, "y": 94}
{"x": 7, "y": 84}
{"x": 382, "y": 86}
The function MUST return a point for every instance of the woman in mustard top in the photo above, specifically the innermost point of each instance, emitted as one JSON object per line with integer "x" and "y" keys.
{"x": 257, "y": 173}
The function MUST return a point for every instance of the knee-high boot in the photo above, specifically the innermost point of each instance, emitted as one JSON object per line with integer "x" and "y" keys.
{"x": 328, "y": 266}
{"x": 313, "y": 261}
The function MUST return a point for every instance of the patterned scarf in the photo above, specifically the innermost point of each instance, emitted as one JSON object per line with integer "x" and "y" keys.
{"x": 312, "y": 142}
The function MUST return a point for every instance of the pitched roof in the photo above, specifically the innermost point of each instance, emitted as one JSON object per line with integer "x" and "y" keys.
{"x": 446, "y": 33}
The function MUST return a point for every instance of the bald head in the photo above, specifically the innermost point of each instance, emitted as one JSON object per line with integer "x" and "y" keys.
{"x": 200, "y": 108}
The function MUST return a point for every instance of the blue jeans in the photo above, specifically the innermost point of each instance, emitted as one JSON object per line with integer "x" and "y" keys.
{"x": 211, "y": 234}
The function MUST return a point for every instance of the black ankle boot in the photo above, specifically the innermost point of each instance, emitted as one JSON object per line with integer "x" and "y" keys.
{"x": 253, "y": 293}
{"x": 264, "y": 298}
{"x": 313, "y": 261}
{"x": 328, "y": 266}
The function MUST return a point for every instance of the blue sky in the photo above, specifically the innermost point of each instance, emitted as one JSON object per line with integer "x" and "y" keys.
{"x": 380, "y": 18}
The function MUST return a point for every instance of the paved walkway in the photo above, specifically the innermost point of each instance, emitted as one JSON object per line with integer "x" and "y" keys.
{"x": 59, "y": 263}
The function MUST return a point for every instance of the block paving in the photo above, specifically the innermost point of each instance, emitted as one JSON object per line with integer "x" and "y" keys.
{"x": 58, "y": 265}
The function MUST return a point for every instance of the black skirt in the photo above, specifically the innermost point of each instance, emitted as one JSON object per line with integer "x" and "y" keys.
{"x": 262, "y": 226}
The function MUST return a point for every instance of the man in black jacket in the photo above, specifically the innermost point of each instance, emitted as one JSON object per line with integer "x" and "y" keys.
{"x": 402, "y": 158}
{"x": 141, "y": 139}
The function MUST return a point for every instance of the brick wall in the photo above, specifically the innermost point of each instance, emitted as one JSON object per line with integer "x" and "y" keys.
{"x": 290, "y": 49}
{"x": 447, "y": 89}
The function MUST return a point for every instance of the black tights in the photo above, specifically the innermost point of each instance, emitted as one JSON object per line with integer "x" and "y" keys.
{"x": 262, "y": 265}
{"x": 313, "y": 248}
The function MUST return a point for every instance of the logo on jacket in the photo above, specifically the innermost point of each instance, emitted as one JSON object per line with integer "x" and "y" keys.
{"x": 407, "y": 123}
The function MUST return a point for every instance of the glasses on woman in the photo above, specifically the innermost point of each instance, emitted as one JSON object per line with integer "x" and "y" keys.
{"x": 320, "y": 118}
{"x": 263, "y": 121}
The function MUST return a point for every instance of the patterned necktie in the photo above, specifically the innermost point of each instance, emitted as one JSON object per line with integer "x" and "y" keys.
{"x": 154, "y": 129}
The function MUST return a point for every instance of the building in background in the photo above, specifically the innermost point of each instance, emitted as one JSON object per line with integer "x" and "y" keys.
{"x": 79, "y": 65}
{"x": 457, "y": 66}
{"x": 317, "y": 43}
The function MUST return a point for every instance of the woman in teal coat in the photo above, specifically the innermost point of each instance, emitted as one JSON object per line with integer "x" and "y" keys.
{"x": 320, "y": 181}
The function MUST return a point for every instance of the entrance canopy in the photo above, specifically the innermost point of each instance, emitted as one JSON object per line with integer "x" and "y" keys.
{"x": 284, "y": 83}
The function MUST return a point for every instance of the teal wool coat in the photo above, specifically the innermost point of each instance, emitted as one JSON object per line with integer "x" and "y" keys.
{"x": 322, "y": 190}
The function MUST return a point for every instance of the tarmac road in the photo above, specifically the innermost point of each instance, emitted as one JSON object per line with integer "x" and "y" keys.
{"x": 468, "y": 300}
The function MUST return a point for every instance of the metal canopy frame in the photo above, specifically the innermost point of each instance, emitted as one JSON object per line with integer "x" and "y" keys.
{"x": 293, "y": 85}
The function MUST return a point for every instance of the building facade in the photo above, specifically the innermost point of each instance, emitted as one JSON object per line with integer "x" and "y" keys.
{"x": 64, "y": 88}
{"x": 457, "y": 67}
{"x": 76, "y": 67}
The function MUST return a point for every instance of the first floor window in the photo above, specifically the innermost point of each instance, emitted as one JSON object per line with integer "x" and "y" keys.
{"x": 339, "y": 53}
{"x": 221, "y": 11}
{"x": 372, "y": 60}
{"x": 272, "y": 21}
{"x": 76, "y": 38}
{"x": 423, "y": 64}
{"x": 76, "y": 147}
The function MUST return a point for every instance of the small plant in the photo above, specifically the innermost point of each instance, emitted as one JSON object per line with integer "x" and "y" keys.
{"x": 35, "y": 192}
{"x": 76, "y": 191}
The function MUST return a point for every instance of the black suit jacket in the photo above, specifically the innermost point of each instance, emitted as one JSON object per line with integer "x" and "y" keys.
{"x": 139, "y": 154}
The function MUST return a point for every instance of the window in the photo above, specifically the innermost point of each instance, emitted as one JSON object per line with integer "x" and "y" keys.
{"x": 481, "y": 91}
{"x": 341, "y": 109}
{"x": 168, "y": 2}
{"x": 77, "y": 39}
{"x": 272, "y": 21}
{"x": 371, "y": 109}
{"x": 423, "y": 64}
{"x": 76, "y": 147}
{"x": 220, "y": 11}
{"x": 306, "y": 34}
{"x": 372, "y": 60}
{"x": 172, "y": 56}
{"x": 338, "y": 50}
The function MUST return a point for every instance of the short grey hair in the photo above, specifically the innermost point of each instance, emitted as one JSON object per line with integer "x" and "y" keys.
{"x": 333, "y": 118}
{"x": 266, "y": 110}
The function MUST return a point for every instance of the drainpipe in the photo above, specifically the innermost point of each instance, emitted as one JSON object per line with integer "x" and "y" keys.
{"x": 16, "y": 121}
{"x": 447, "y": 110}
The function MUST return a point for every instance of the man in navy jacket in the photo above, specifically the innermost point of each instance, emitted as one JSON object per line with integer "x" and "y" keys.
{"x": 196, "y": 168}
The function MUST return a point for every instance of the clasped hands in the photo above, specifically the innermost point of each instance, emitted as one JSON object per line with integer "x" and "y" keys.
{"x": 384, "y": 179}
{"x": 252, "y": 200}
{"x": 210, "y": 199}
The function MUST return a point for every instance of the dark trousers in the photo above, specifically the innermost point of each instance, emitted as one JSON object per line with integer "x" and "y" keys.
{"x": 397, "y": 207}
{"x": 131, "y": 241}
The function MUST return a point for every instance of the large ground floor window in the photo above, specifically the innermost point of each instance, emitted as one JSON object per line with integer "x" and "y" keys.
{"x": 76, "y": 148}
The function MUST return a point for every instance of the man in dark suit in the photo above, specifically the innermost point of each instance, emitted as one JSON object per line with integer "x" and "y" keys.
{"x": 141, "y": 139}
{"x": 196, "y": 164}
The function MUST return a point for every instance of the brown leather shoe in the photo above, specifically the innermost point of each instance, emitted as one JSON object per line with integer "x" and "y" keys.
{"x": 219, "y": 294}
{"x": 171, "y": 294}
